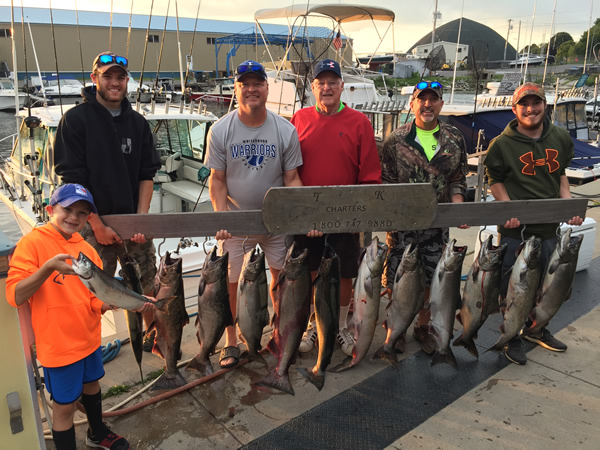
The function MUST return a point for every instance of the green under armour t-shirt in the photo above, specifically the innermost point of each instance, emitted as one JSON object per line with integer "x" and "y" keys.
{"x": 428, "y": 141}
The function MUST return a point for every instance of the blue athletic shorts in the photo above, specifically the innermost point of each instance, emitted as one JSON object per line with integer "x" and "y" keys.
{"x": 65, "y": 384}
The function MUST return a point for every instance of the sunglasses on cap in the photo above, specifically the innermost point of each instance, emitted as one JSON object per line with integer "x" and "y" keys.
{"x": 429, "y": 84}
{"x": 249, "y": 68}
{"x": 110, "y": 59}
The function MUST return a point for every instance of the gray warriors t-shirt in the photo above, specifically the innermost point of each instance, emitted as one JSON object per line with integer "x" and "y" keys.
{"x": 253, "y": 159}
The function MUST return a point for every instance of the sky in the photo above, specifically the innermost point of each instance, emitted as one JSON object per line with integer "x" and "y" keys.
{"x": 414, "y": 19}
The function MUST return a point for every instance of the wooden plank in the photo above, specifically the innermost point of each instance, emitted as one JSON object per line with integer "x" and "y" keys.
{"x": 349, "y": 209}
{"x": 189, "y": 224}
{"x": 495, "y": 213}
{"x": 251, "y": 222}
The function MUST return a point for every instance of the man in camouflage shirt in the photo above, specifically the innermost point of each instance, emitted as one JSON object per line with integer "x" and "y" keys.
{"x": 424, "y": 151}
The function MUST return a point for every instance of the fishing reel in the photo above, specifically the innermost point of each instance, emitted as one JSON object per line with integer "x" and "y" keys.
{"x": 32, "y": 122}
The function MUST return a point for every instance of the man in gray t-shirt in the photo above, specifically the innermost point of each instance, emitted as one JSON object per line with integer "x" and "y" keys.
{"x": 249, "y": 151}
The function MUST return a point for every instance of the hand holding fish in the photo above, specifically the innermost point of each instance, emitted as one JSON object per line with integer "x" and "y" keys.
{"x": 222, "y": 235}
{"x": 59, "y": 263}
{"x": 147, "y": 306}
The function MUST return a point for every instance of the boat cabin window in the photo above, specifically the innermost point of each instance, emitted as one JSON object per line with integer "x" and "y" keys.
{"x": 185, "y": 136}
{"x": 570, "y": 116}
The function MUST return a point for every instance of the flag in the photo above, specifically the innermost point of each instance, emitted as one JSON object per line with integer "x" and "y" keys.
{"x": 337, "y": 42}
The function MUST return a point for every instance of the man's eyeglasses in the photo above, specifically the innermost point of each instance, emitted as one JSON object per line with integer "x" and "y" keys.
{"x": 331, "y": 84}
{"x": 109, "y": 59}
{"x": 249, "y": 68}
{"x": 429, "y": 84}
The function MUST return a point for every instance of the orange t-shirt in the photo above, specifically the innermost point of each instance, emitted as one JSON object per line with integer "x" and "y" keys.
{"x": 65, "y": 315}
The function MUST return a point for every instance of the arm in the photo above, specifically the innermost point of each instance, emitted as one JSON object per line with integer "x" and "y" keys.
{"x": 370, "y": 167}
{"x": 104, "y": 235}
{"x": 500, "y": 194}
{"x": 217, "y": 190}
{"x": 291, "y": 178}
{"x": 565, "y": 192}
{"x": 29, "y": 286}
{"x": 144, "y": 199}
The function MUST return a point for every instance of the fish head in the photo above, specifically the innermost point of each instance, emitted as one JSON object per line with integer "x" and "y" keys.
{"x": 130, "y": 269}
{"x": 214, "y": 265}
{"x": 170, "y": 268}
{"x": 569, "y": 248}
{"x": 254, "y": 264}
{"x": 532, "y": 252}
{"x": 296, "y": 262}
{"x": 452, "y": 256}
{"x": 411, "y": 258}
{"x": 83, "y": 266}
{"x": 490, "y": 255}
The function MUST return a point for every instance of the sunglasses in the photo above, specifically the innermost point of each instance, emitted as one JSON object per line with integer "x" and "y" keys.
{"x": 249, "y": 68}
{"x": 109, "y": 59}
{"x": 429, "y": 84}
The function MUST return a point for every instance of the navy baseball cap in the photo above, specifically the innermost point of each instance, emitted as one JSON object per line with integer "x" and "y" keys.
{"x": 327, "y": 64}
{"x": 248, "y": 67}
{"x": 70, "y": 193}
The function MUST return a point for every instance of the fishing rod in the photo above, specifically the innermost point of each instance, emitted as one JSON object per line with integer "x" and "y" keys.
{"x": 189, "y": 60}
{"x": 129, "y": 33}
{"x": 181, "y": 102}
{"x": 162, "y": 44}
{"x": 79, "y": 39}
{"x": 16, "y": 91}
{"x": 137, "y": 101}
{"x": 110, "y": 27}
{"x": 37, "y": 64}
{"x": 55, "y": 58}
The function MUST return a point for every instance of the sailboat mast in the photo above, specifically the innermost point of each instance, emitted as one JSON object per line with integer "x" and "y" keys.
{"x": 587, "y": 42}
{"x": 456, "y": 55}
{"x": 548, "y": 47}
{"x": 435, "y": 14}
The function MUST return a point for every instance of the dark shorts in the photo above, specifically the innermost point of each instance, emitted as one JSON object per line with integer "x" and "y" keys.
{"x": 431, "y": 244}
{"x": 65, "y": 383}
{"x": 346, "y": 245}
{"x": 510, "y": 258}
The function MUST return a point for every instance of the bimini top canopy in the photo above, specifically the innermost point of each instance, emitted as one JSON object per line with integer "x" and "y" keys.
{"x": 339, "y": 13}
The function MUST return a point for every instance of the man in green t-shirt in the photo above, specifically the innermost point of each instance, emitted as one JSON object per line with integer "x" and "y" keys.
{"x": 425, "y": 150}
{"x": 528, "y": 161}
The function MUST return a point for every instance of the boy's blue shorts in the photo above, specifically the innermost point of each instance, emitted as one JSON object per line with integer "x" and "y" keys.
{"x": 65, "y": 384}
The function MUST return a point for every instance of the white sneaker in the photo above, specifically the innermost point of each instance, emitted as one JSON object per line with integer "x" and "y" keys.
{"x": 346, "y": 341}
{"x": 308, "y": 338}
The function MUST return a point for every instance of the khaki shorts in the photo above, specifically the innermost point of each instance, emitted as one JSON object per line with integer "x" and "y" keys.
{"x": 144, "y": 254}
{"x": 274, "y": 247}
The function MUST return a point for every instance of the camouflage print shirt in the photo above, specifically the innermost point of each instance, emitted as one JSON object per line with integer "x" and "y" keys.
{"x": 403, "y": 160}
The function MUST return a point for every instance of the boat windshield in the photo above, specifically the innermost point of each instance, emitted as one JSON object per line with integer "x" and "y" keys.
{"x": 185, "y": 136}
{"x": 570, "y": 116}
{"x": 6, "y": 84}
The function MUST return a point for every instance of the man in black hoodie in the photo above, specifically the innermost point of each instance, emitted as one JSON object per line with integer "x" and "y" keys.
{"x": 526, "y": 162}
{"x": 106, "y": 146}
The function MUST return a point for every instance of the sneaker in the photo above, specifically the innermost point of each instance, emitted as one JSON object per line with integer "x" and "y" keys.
{"x": 149, "y": 341}
{"x": 548, "y": 341}
{"x": 514, "y": 352}
{"x": 308, "y": 338}
{"x": 423, "y": 337}
{"x": 108, "y": 440}
{"x": 346, "y": 341}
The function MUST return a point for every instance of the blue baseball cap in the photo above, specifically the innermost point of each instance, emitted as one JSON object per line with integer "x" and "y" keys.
{"x": 248, "y": 67}
{"x": 327, "y": 64}
{"x": 70, "y": 193}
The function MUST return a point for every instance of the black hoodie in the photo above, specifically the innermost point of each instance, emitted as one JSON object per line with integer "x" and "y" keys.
{"x": 108, "y": 155}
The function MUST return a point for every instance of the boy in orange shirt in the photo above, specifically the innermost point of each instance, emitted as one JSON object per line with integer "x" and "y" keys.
{"x": 65, "y": 316}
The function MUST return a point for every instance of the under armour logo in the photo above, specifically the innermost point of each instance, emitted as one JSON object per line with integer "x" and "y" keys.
{"x": 530, "y": 162}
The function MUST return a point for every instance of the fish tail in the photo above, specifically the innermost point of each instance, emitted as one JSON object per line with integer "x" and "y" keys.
{"x": 254, "y": 356}
{"x": 383, "y": 353}
{"x": 344, "y": 365}
{"x": 169, "y": 381}
{"x": 469, "y": 344}
{"x": 447, "y": 357}
{"x": 317, "y": 380}
{"x": 279, "y": 382}
{"x": 197, "y": 365}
